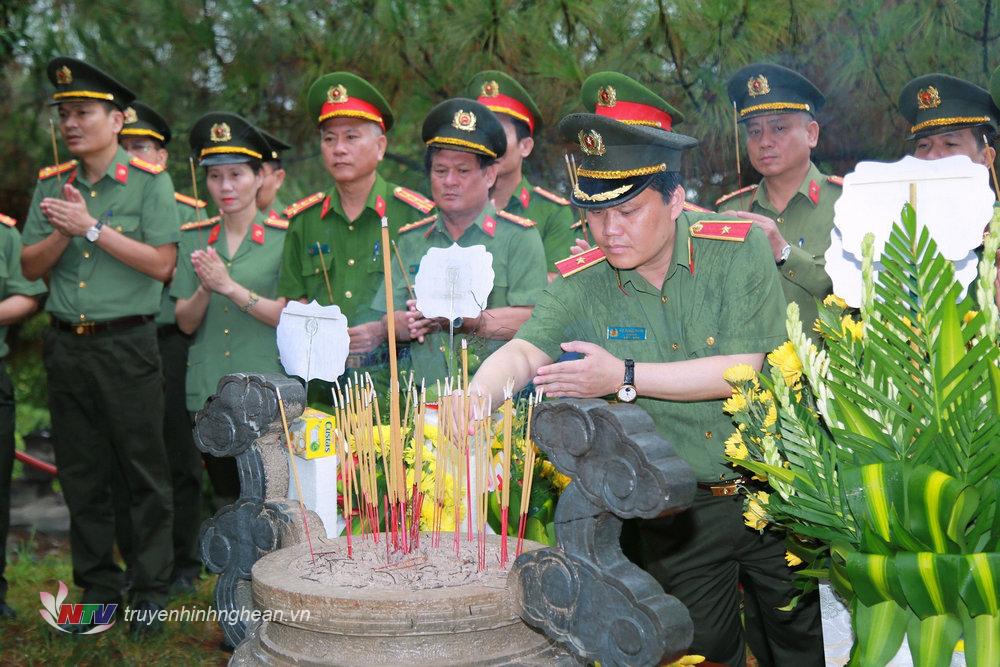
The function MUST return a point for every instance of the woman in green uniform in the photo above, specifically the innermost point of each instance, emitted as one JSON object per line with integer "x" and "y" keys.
{"x": 226, "y": 283}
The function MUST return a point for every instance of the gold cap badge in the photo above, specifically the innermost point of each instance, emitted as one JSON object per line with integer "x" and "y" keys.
{"x": 607, "y": 96}
{"x": 64, "y": 76}
{"x": 928, "y": 98}
{"x": 131, "y": 116}
{"x": 591, "y": 142}
{"x": 336, "y": 94}
{"x": 758, "y": 85}
{"x": 221, "y": 132}
{"x": 491, "y": 89}
{"x": 464, "y": 120}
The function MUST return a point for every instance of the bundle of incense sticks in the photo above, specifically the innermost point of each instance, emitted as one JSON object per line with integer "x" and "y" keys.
{"x": 295, "y": 472}
{"x": 528, "y": 474}
{"x": 463, "y": 466}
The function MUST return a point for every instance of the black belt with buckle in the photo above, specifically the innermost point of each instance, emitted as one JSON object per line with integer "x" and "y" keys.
{"x": 727, "y": 487}
{"x": 107, "y": 326}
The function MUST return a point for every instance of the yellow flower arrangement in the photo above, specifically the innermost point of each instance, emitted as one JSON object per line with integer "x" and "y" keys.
{"x": 848, "y": 325}
{"x": 787, "y": 361}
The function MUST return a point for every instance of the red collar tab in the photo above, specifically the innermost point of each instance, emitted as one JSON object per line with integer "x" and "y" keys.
{"x": 352, "y": 107}
{"x": 326, "y": 207}
{"x": 213, "y": 236}
{"x": 380, "y": 206}
{"x": 639, "y": 114}
{"x": 510, "y": 106}
{"x": 525, "y": 197}
{"x": 121, "y": 173}
{"x": 490, "y": 226}
{"x": 814, "y": 192}
{"x": 575, "y": 263}
{"x": 257, "y": 234}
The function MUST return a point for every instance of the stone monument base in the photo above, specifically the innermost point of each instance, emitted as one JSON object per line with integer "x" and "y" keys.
{"x": 427, "y": 607}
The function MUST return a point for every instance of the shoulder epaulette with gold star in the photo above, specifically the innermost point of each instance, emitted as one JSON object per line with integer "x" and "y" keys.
{"x": 49, "y": 172}
{"x": 277, "y": 223}
{"x": 721, "y": 230}
{"x": 688, "y": 206}
{"x": 294, "y": 209}
{"x": 749, "y": 188}
{"x": 7, "y": 220}
{"x": 190, "y": 201}
{"x": 551, "y": 196}
{"x": 199, "y": 224}
{"x": 423, "y": 222}
{"x": 516, "y": 219}
{"x": 147, "y": 167}
{"x": 414, "y": 199}
{"x": 576, "y": 263}
{"x": 836, "y": 180}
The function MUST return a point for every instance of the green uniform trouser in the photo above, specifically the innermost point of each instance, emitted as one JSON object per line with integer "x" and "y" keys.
{"x": 6, "y": 465}
{"x": 182, "y": 456}
{"x": 702, "y": 555}
{"x": 106, "y": 400}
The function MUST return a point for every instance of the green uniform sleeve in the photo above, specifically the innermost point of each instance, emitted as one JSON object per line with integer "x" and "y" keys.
{"x": 559, "y": 236}
{"x": 291, "y": 284}
{"x": 160, "y": 222}
{"x": 16, "y": 282}
{"x": 808, "y": 272}
{"x": 527, "y": 274}
{"x": 551, "y": 322}
{"x": 185, "y": 279}
{"x": 753, "y": 314}
{"x": 36, "y": 225}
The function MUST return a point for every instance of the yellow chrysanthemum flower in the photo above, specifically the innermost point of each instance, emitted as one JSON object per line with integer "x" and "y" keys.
{"x": 735, "y": 448}
{"x": 834, "y": 300}
{"x": 787, "y": 361}
{"x": 560, "y": 481}
{"x": 849, "y": 326}
{"x": 687, "y": 660}
{"x": 969, "y": 316}
{"x": 755, "y": 515}
{"x": 739, "y": 374}
{"x": 792, "y": 559}
{"x": 736, "y": 403}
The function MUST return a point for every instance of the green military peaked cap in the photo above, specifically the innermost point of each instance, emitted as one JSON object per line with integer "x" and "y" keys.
{"x": 501, "y": 93}
{"x": 225, "y": 138}
{"x": 461, "y": 124}
{"x": 621, "y": 97}
{"x": 77, "y": 81}
{"x": 765, "y": 88}
{"x": 346, "y": 95}
{"x": 620, "y": 160}
{"x": 141, "y": 120}
{"x": 274, "y": 144}
{"x": 937, "y": 103}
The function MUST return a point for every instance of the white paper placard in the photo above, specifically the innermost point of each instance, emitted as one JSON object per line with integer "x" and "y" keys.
{"x": 454, "y": 282}
{"x": 313, "y": 341}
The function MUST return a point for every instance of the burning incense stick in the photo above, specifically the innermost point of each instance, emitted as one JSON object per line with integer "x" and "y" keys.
{"x": 295, "y": 472}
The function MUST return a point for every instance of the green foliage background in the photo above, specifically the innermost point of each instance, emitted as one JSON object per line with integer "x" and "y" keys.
{"x": 185, "y": 57}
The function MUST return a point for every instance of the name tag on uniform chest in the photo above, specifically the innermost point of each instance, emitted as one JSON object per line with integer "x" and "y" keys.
{"x": 626, "y": 333}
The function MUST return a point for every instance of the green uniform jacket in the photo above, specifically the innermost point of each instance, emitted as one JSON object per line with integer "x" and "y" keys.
{"x": 87, "y": 284}
{"x": 351, "y": 250}
{"x": 276, "y": 209}
{"x": 12, "y": 281}
{"x": 518, "y": 265}
{"x": 229, "y": 340}
{"x": 186, "y": 212}
{"x": 728, "y": 301}
{"x": 806, "y": 224}
{"x": 552, "y": 216}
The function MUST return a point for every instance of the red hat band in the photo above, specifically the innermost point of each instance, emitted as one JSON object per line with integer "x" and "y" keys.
{"x": 635, "y": 113}
{"x": 510, "y": 106}
{"x": 353, "y": 107}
